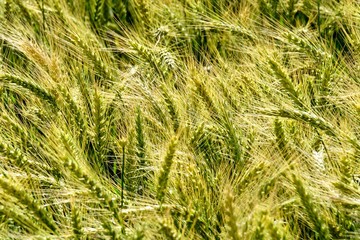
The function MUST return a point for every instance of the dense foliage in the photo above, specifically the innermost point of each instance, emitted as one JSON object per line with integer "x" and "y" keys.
{"x": 188, "y": 119}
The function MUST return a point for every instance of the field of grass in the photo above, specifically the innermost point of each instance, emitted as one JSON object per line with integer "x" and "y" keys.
{"x": 187, "y": 119}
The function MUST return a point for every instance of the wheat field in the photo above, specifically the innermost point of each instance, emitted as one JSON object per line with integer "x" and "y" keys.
{"x": 188, "y": 119}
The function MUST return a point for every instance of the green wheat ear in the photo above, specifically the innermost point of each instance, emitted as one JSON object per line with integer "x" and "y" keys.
{"x": 25, "y": 12}
{"x": 281, "y": 139}
{"x": 169, "y": 231}
{"x": 76, "y": 115}
{"x": 141, "y": 151}
{"x": 321, "y": 227}
{"x": 36, "y": 90}
{"x": 172, "y": 109}
{"x": 303, "y": 45}
{"x": 106, "y": 77}
{"x": 59, "y": 12}
{"x": 165, "y": 170}
{"x": 230, "y": 217}
{"x": 234, "y": 142}
{"x": 97, "y": 189}
{"x": 76, "y": 222}
{"x": 100, "y": 129}
{"x": 98, "y": 11}
{"x": 28, "y": 201}
{"x": 8, "y": 11}
{"x": 9, "y": 212}
{"x": 154, "y": 59}
{"x": 112, "y": 231}
{"x": 308, "y": 117}
{"x": 206, "y": 97}
{"x": 122, "y": 143}
{"x": 140, "y": 135}
{"x": 259, "y": 232}
{"x": 286, "y": 82}
{"x": 18, "y": 158}
{"x": 275, "y": 230}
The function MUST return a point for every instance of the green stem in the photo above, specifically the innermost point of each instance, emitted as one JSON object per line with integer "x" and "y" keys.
{"x": 122, "y": 176}
{"x": 318, "y": 16}
{"x": 43, "y": 13}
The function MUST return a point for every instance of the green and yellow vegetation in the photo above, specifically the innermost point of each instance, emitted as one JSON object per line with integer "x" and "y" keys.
{"x": 188, "y": 119}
